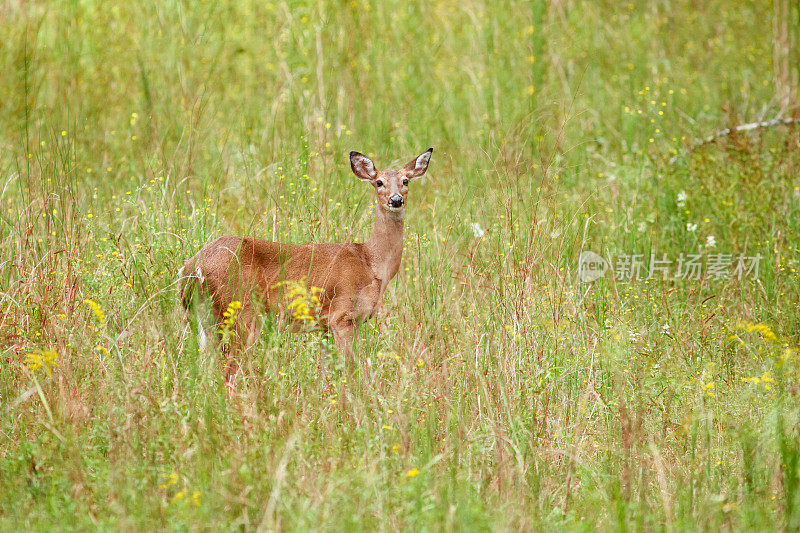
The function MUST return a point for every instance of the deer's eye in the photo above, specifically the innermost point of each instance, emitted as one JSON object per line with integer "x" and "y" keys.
{"x": 405, "y": 182}
{"x": 379, "y": 183}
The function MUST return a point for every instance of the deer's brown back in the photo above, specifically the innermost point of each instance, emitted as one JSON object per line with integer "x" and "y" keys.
{"x": 233, "y": 268}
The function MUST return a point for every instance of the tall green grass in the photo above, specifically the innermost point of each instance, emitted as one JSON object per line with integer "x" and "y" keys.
{"x": 494, "y": 391}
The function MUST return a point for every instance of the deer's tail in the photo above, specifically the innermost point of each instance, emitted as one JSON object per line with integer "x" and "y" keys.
{"x": 189, "y": 278}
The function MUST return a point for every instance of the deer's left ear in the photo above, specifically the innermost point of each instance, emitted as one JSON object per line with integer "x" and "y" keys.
{"x": 416, "y": 167}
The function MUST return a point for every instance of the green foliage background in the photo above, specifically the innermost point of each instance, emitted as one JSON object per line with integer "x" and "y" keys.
{"x": 495, "y": 391}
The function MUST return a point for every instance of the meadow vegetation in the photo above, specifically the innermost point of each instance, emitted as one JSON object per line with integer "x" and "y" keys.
{"x": 495, "y": 390}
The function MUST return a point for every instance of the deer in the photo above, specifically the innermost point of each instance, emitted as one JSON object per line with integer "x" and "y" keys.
{"x": 349, "y": 278}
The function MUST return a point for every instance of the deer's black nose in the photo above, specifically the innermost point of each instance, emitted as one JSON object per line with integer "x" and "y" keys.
{"x": 396, "y": 201}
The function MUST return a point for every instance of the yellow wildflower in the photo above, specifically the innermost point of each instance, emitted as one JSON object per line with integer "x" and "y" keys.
{"x": 231, "y": 312}
{"x": 227, "y": 330}
{"x": 762, "y": 329}
{"x": 766, "y": 378}
{"x": 303, "y": 303}
{"x": 97, "y": 310}
{"x": 47, "y": 359}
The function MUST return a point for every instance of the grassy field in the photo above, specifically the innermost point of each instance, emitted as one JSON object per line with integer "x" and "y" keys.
{"x": 495, "y": 390}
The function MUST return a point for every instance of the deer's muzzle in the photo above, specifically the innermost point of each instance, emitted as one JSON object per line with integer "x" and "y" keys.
{"x": 396, "y": 201}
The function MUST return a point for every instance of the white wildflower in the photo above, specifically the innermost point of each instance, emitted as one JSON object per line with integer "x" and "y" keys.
{"x": 711, "y": 242}
{"x": 681, "y": 201}
{"x": 691, "y": 227}
{"x": 477, "y": 230}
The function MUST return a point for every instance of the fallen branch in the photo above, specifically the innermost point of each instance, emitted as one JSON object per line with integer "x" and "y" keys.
{"x": 699, "y": 143}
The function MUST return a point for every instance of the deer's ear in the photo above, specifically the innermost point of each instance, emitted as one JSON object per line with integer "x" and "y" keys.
{"x": 362, "y": 166}
{"x": 416, "y": 167}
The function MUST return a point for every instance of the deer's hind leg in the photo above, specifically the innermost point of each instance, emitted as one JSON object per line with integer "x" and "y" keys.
{"x": 245, "y": 334}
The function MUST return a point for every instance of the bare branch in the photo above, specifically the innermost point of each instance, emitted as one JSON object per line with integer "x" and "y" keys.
{"x": 777, "y": 121}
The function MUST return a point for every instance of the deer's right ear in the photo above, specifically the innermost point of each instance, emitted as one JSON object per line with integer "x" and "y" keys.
{"x": 362, "y": 166}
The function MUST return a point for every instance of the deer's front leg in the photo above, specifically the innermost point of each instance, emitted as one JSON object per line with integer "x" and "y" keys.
{"x": 342, "y": 323}
{"x": 343, "y": 337}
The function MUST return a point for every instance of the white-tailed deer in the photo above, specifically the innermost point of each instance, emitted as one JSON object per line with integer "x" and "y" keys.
{"x": 351, "y": 276}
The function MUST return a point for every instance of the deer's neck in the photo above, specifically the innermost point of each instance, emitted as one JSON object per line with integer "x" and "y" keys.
{"x": 385, "y": 246}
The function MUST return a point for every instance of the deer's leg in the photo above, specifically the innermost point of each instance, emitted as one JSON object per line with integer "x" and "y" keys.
{"x": 232, "y": 366}
{"x": 247, "y": 330}
{"x": 231, "y": 370}
{"x": 247, "y": 326}
{"x": 343, "y": 337}
{"x": 341, "y": 320}
{"x": 343, "y": 329}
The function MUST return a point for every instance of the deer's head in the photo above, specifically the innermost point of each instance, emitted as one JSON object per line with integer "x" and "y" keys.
{"x": 391, "y": 186}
